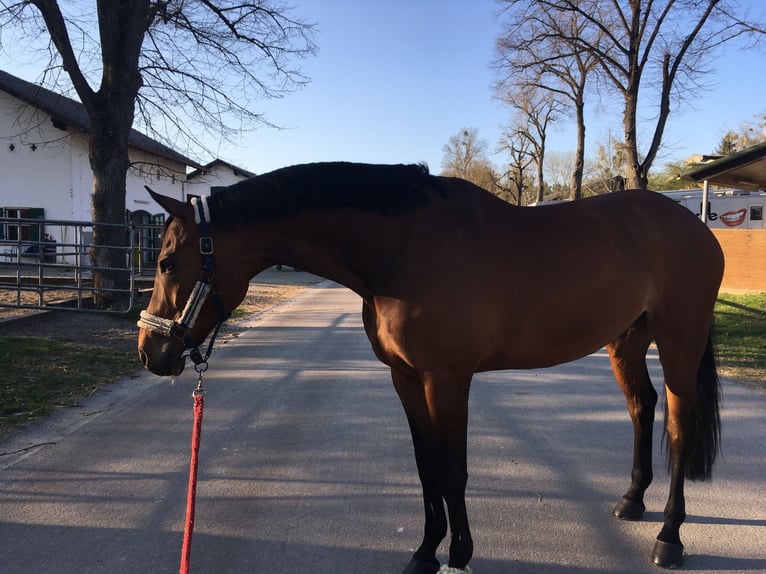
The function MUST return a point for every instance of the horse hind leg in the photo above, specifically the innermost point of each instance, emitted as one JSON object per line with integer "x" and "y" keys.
{"x": 692, "y": 429}
{"x": 627, "y": 354}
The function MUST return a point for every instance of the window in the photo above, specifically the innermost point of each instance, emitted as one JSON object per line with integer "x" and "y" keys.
{"x": 148, "y": 234}
{"x": 22, "y": 230}
{"x": 756, "y": 213}
{"x": 154, "y": 241}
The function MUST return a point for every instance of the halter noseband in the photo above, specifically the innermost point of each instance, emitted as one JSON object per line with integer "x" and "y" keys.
{"x": 202, "y": 289}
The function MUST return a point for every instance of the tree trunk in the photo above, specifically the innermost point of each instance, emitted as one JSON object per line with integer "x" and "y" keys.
{"x": 109, "y": 160}
{"x": 121, "y": 26}
{"x": 636, "y": 178}
{"x": 540, "y": 180}
{"x": 579, "y": 164}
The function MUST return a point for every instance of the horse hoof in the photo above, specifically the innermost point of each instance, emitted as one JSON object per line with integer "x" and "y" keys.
{"x": 667, "y": 554}
{"x": 419, "y": 567}
{"x": 629, "y": 510}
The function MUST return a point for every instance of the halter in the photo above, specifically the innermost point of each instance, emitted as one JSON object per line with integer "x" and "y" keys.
{"x": 202, "y": 290}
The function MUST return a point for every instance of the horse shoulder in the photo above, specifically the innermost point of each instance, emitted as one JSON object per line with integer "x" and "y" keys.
{"x": 384, "y": 320}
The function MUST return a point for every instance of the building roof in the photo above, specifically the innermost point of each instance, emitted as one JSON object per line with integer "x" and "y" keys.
{"x": 73, "y": 113}
{"x": 744, "y": 169}
{"x": 205, "y": 169}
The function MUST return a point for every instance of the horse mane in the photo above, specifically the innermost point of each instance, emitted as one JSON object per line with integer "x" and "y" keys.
{"x": 384, "y": 189}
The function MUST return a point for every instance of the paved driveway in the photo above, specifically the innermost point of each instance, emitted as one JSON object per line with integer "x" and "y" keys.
{"x": 307, "y": 467}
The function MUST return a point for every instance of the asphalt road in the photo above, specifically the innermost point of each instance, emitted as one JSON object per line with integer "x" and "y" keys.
{"x": 306, "y": 466}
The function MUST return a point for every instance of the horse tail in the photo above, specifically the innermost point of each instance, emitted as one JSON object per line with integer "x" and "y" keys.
{"x": 703, "y": 441}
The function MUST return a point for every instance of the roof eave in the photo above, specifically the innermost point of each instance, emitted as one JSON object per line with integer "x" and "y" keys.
{"x": 720, "y": 168}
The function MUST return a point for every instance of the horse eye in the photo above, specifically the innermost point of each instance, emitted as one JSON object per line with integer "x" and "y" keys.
{"x": 166, "y": 266}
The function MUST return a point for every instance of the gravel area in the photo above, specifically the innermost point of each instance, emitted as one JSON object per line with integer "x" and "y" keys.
{"x": 119, "y": 331}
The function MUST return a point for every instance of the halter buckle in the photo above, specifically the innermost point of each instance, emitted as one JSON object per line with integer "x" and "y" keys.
{"x": 179, "y": 330}
{"x": 206, "y": 245}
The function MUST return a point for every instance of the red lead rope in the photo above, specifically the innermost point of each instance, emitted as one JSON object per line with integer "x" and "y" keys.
{"x": 199, "y": 404}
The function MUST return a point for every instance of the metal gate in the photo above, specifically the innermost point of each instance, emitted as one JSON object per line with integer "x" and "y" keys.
{"x": 46, "y": 263}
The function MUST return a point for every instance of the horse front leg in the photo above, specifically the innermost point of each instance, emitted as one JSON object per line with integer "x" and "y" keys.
{"x": 441, "y": 463}
{"x": 631, "y": 506}
{"x": 628, "y": 358}
{"x": 435, "y": 527}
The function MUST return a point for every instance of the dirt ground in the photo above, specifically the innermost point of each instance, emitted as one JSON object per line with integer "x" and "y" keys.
{"x": 120, "y": 332}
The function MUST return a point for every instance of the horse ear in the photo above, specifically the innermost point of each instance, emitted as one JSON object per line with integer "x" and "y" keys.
{"x": 172, "y": 206}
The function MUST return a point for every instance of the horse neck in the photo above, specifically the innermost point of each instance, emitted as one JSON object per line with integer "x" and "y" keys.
{"x": 349, "y": 247}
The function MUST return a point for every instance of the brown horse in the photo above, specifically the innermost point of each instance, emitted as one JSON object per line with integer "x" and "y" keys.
{"x": 455, "y": 281}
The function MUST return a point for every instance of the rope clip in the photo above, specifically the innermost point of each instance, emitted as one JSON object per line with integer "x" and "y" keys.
{"x": 200, "y": 390}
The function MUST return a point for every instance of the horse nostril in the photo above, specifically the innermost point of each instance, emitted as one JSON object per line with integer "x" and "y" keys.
{"x": 144, "y": 358}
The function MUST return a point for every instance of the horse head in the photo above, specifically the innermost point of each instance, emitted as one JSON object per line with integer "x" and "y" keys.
{"x": 190, "y": 295}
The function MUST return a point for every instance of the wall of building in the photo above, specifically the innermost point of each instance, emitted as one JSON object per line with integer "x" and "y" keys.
{"x": 161, "y": 175}
{"x": 36, "y": 160}
{"x": 47, "y": 167}
{"x": 216, "y": 176}
{"x": 745, "y": 254}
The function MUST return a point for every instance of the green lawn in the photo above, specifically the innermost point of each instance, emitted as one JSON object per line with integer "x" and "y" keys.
{"x": 42, "y": 374}
{"x": 740, "y": 324}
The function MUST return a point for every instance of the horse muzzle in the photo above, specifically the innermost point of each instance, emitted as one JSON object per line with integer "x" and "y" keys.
{"x": 168, "y": 360}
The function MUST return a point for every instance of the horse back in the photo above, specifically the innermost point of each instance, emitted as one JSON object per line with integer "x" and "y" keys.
{"x": 488, "y": 286}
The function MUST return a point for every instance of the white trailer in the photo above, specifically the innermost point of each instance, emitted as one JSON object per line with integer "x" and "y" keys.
{"x": 726, "y": 209}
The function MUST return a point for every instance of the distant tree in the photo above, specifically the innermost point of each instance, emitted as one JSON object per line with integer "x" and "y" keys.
{"x": 503, "y": 187}
{"x": 606, "y": 171}
{"x": 749, "y": 134}
{"x": 653, "y": 51}
{"x": 487, "y": 178}
{"x": 539, "y": 48}
{"x": 536, "y": 110}
{"x": 517, "y": 176}
{"x": 185, "y": 68}
{"x": 667, "y": 179}
{"x": 463, "y": 154}
{"x": 558, "y": 172}
{"x": 727, "y": 145}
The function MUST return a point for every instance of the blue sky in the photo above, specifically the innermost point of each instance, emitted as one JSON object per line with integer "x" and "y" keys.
{"x": 394, "y": 80}
{"x": 391, "y": 83}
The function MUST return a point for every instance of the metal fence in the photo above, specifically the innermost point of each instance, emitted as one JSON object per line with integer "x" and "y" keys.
{"x": 47, "y": 263}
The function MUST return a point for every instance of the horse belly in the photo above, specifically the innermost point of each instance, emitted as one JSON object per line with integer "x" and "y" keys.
{"x": 559, "y": 334}
{"x": 533, "y": 356}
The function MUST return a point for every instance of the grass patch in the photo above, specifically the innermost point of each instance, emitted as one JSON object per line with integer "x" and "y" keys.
{"x": 740, "y": 322}
{"x": 43, "y": 374}
{"x": 59, "y": 369}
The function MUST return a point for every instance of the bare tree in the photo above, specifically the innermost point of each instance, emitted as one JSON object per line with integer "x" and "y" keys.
{"x": 536, "y": 111}
{"x": 748, "y": 134}
{"x": 521, "y": 153}
{"x": 537, "y": 49}
{"x": 669, "y": 177}
{"x": 605, "y": 173}
{"x": 463, "y": 154}
{"x": 558, "y": 172}
{"x": 652, "y": 52}
{"x": 187, "y": 68}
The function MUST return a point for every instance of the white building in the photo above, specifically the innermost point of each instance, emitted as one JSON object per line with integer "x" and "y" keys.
{"x": 46, "y": 171}
{"x": 208, "y": 179}
{"x": 44, "y": 157}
